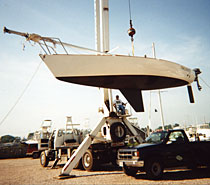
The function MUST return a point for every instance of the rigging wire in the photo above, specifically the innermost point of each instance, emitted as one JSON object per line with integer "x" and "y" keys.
{"x": 21, "y": 95}
{"x": 131, "y": 30}
{"x": 205, "y": 82}
{"x": 129, "y": 3}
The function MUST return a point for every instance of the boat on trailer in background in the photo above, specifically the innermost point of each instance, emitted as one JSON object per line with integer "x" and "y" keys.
{"x": 39, "y": 140}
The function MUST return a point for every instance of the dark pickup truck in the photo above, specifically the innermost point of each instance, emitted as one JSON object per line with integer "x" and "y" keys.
{"x": 161, "y": 150}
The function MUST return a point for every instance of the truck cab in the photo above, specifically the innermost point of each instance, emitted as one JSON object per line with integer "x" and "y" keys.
{"x": 165, "y": 149}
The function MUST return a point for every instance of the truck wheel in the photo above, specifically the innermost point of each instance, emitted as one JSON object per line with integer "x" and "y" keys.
{"x": 88, "y": 161}
{"x": 130, "y": 171}
{"x": 118, "y": 132}
{"x": 79, "y": 164}
{"x": 154, "y": 169}
{"x": 44, "y": 160}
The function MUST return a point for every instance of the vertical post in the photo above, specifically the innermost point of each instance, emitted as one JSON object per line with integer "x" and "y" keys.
{"x": 132, "y": 48}
{"x": 69, "y": 123}
{"x": 161, "y": 111}
{"x": 102, "y": 37}
{"x": 104, "y": 25}
{"x": 97, "y": 26}
{"x": 153, "y": 50}
{"x": 149, "y": 124}
{"x": 104, "y": 34}
{"x": 161, "y": 108}
{"x": 110, "y": 100}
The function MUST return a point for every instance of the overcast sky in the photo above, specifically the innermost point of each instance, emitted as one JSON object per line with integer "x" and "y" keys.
{"x": 180, "y": 30}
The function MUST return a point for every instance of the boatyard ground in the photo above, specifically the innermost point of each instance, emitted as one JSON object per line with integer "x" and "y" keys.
{"x": 29, "y": 171}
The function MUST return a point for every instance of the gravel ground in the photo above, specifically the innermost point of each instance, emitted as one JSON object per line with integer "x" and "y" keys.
{"x": 29, "y": 171}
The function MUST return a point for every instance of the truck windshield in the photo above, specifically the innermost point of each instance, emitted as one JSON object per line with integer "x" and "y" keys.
{"x": 156, "y": 137}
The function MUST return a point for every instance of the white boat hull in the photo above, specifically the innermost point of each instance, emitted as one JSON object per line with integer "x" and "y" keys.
{"x": 118, "y": 72}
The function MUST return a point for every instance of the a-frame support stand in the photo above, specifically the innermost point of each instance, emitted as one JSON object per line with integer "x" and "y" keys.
{"x": 74, "y": 159}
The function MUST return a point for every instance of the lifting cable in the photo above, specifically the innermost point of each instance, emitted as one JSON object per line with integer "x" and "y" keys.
{"x": 205, "y": 82}
{"x": 21, "y": 95}
{"x": 131, "y": 30}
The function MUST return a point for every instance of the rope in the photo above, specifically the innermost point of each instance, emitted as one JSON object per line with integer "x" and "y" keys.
{"x": 132, "y": 47}
{"x": 204, "y": 82}
{"x": 21, "y": 95}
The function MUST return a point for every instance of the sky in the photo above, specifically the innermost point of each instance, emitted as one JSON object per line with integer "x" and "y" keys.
{"x": 180, "y": 30}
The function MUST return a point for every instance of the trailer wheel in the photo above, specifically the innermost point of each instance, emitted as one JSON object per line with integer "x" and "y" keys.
{"x": 79, "y": 164}
{"x": 44, "y": 160}
{"x": 88, "y": 162}
{"x": 130, "y": 171}
{"x": 118, "y": 132}
{"x": 154, "y": 169}
{"x": 35, "y": 155}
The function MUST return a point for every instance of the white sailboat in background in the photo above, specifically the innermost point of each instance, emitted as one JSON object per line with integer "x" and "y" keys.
{"x": 129, "y": 74}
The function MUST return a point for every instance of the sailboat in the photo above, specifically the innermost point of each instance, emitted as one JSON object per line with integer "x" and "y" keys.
{"x": 118, "y": 71}
{"x": 129, "y": 74}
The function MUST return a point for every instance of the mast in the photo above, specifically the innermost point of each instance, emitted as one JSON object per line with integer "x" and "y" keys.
{"x": 102, "y": 38}
{"x": 97, "y": 26}
{"x": 104, "y": 25}
{"x": 159, "y": 95}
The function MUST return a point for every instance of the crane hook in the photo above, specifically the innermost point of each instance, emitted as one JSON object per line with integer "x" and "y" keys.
{"x": 131, "y": 30}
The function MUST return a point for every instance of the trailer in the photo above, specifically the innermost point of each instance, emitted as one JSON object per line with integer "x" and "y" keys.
{"x": 64, "y": 142}
{"x": 38, "y": 141}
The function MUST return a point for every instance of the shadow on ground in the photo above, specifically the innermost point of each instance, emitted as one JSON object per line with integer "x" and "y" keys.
{"x": 100, "y": 168}
{"x": 105, "y": 169}
{"x": 88, "y": 175}
{"x": 181, "y": 175}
